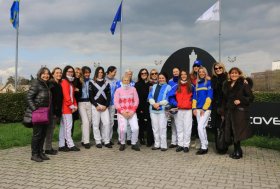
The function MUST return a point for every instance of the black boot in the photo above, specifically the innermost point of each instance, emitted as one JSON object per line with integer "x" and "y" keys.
{"x": 234, "y": 151}
{"x": 44, "y": 157}
{"x": 239, "y": 153}
{"x": 36, "y": 158}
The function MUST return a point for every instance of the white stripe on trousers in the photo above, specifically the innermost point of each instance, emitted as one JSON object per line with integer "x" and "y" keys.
{"x": 159, "y": 125}
{"x": 183, "y": 120}
{"x": 86, "y": 119}
{"x": 105, "y": 126}
{"x": 112, "y": 119}
{"x": 122, "y": 128}
{"x": 65, "y": 131}
{"x": 201, "y": 127}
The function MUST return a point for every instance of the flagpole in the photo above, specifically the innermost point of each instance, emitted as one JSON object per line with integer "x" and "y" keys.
{"x": 16, "y": 66}
{"x": 121, "y": 38}
{"x": 220, "y": 30}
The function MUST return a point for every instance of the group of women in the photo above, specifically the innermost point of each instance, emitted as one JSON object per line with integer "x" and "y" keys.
{"x": 142, "y": 106}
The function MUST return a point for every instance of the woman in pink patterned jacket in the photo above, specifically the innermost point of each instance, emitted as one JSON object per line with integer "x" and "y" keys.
{"x": 126, "y": 102}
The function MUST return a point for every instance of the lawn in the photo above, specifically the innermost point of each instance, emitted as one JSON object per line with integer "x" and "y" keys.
{"x": 15, "y": 134}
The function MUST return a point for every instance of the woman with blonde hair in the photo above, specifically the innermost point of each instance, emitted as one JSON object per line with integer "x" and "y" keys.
{"x": 201, "y": 105}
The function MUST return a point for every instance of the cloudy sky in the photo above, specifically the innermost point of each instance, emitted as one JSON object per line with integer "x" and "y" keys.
{"x": 75, "y": 32}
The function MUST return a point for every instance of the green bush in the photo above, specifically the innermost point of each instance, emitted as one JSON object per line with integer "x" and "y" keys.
{"x": 267, "y": 97}
{"x": 12, "y": 107}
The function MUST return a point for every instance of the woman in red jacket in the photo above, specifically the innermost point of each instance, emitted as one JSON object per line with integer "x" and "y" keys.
{"x": 69, "y": 106}
{"x": 183, "y": 119}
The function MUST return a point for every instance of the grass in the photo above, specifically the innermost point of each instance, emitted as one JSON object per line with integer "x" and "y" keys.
{"x": 15, "y": 135}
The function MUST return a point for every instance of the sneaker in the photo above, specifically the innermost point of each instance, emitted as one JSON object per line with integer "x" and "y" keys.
{"x": 44, "y": 157}
{"x": 98, "y": 145}
{"x": 51, "y": 152}
{"x": 163, "y": 149}
{"x": 179, "y": 149}
{"x": 155, "y": 148}
{"x": 122, "y": 147}
{"x": 87, "y": 146}
{"x": 135, "y": 147}
{"x": 186, "y": 150}
{"x": 63, "y": 149}
{"x": 36, "y": 158}
{"x": 108, "y": 145}
{"x": 128, "y": 142}
{"x": 172, "y": 146}
{"x": 202, "y": 151}
{"x": 74, "y": 148}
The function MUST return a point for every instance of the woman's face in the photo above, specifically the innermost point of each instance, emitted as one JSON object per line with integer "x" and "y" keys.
{"x": 70, "y": 72}
{"x": 45, "y": 76}
{"x": 57, "y": 74}
{"x": 218, "y": 69}
{"x": 195, "y": 68}
{"x": 201, "y": 74}
{"x": 144, "y": 74}
{"x": 154, "y": 75}
{"x": 78, "y": 73}
{"x": 125, "y": 80}
{"x": 161, "y": 79}
{"x": 86, "y": 74}
{"x": 176, "y": 72}
{"x": 100, "y": 74}
{"x": 184, "y": 76}
{"x": 234, "y": 75}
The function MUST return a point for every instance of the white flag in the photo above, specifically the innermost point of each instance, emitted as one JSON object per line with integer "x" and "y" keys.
{"x": 212, "y": 14}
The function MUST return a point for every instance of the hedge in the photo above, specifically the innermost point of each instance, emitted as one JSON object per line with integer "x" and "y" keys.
{"x": 12, "y": 105}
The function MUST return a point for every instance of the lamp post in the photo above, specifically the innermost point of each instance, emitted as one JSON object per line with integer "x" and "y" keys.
{"x": 96, "y": 64}
{"x": 158, "y": 62}
{"x": 231, "y": 59}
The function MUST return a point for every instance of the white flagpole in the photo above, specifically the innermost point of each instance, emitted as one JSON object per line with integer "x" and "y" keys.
{"x": 121, "y": 38}
{"x": 220, "y": 30}
{"x": 16, "y": 67}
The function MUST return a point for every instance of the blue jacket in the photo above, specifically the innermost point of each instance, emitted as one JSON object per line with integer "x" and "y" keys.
{"x": 113, "y": 87}
{"x": 202, "y": 95}
{"x": 171, "y": 95}
{"x": 162, "y": 97}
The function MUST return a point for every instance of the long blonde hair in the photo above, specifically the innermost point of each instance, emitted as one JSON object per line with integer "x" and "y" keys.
{"x": 220, "y": 65}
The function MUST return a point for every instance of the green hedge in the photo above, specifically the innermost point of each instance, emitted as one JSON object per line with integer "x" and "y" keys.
{"x": 12, "y": 105}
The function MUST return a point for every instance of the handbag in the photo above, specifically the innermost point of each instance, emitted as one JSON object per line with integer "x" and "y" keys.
{"x": 221, "y": 144}
{"x": 41, "y": 116}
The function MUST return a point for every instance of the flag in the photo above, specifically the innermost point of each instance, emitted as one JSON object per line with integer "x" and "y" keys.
{"x": 212, "y": 14}
{"x": 15, "y": 14}
{"x": 118, "y": 18}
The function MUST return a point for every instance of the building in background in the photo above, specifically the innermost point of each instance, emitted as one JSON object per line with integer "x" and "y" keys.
{"x": 268, "y": 80}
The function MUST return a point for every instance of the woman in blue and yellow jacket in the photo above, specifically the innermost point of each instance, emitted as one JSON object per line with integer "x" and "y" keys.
{"x": 201, "y": 105}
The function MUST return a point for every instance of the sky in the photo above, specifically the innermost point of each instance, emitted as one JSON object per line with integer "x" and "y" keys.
{"x": 61, "y": 32}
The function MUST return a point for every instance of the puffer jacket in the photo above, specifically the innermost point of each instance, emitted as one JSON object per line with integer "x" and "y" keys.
{"x": 37, "y": 96}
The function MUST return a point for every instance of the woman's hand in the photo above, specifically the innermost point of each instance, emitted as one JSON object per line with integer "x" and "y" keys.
{"x": 236, "y": 102}
{"x": 195, "y": 112}
{"x": 202, "y": 113}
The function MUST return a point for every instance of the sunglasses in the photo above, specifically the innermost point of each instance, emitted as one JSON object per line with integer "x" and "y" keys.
{"x": 219, "y": 68}
{"x": 154, "y": 73}
{"x": 144, "y": 73}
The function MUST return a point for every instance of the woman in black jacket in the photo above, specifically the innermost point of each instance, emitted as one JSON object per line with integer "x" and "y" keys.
{"x": 144, "y": 120}
{"x": 219, "y": 76}
{"x": 56, "y": 108}
{"x": 238, "y": 96}
{"x": 38, "y": 96}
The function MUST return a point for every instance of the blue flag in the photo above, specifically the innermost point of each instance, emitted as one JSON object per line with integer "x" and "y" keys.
{"x": 15, "y": 14}
{"x": 118, "y": 18}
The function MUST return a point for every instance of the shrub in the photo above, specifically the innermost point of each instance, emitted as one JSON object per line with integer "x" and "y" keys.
{"x": 12, "y": 107}
{"x": 267, "y": 97}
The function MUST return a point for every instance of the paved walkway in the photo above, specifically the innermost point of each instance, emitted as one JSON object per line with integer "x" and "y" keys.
{"x": 110, "y": 168}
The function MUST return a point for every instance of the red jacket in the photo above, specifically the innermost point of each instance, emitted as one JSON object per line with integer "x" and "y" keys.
{"x": 184, "y": 98}
{"x": 69, "y": 101}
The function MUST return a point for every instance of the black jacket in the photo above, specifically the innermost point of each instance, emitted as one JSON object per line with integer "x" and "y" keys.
{"x": 37, "y": 96}
{"x": 93, "y": 92}
{"x": 57, "y": 97}
{"x": 143, "y": 89}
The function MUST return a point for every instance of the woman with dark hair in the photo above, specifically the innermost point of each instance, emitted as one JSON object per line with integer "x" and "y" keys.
{"x": 183, "y": 118}
{"x": 38, "y": 96}
{"x": 144, "y": 120}
{"x": 219, "y": 76}
{"x": 158, "y": 99}
{"x": 56, "y": 106}
{"x": 100, "y": 98}
{"x": 69, "y": 106}
{"x": 238, "y": 96}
